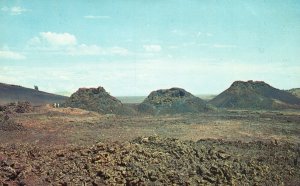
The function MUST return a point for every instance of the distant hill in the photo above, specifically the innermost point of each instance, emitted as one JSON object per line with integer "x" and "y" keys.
{"x": 295, "y": 92}
{"x": 172, "y": 101}
{"x": 98, "y": 100}
{"x": 14, "y": 93}
{"x": 255, "y": 95}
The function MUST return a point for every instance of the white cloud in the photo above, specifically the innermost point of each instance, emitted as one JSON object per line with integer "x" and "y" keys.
{"x": 7, "y": 54}
{"x": 96, "y": 17}
{"x": 47, "y": 40}
{"x": 15, "y": 10}
{"x": 58, "y": 39}
{"x": 66, "y": 43}
{"x": 152, "y": 48}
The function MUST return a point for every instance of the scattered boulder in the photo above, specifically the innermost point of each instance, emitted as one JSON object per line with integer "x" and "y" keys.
{"x": 8, "y": 124}
{"x": 7, "y": 113}
{"x": 255, "y": 95}
{"x": 98, "y": 100}
{"x": 11, "y": 126}
{"x": 17, "y": 107}
{"x": 172, "y": 101}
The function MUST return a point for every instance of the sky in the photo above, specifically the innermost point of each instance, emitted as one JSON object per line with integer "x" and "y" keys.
{"x": 132, "y": 47}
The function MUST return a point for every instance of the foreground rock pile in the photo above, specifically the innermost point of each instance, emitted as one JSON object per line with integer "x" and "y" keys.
{"x": 151, "y": 161}
{"x": 7, "y": 113}
{"x": 8, "y": 124}
{"x": 18, "y": 107}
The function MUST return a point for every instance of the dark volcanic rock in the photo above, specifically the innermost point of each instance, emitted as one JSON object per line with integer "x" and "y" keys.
{"x": 255, "y": 95}
{"x": 152, "y": 161}
{"x": 7, "y": 113}
{"x": 172, "y": 101}
{"x": 8, "y": 124}
{"x": 98, "y": 100}
{"x": 18, "y": 107}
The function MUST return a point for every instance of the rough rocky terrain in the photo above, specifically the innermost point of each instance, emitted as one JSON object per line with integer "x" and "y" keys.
{"x": 153, "y": 161}
{"x": 8, "y": 124}
{"x": 71, "y": 146}
{"x": 17, "y": 107}
{"x": 255, "y": 95}
{"x": 172, "y": 101}
{"x": 8, "y": 111}
{"x": 98, "y": 100}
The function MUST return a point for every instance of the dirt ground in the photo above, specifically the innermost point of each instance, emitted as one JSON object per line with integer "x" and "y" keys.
{"x": 60, "y": 126}
{"x": 248, "y": 136}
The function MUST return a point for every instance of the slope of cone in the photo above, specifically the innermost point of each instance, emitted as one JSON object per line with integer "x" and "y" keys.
{"x": 255, "y": 95}
{"x": 97, "y": 99}
{"x": 172, "y": 101}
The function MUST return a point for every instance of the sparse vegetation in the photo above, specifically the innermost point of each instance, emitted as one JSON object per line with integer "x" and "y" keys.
{"x": 36, "y": 87}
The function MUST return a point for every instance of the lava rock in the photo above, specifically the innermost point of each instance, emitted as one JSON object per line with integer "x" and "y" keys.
{"x": 173, "y": 101}
{"x": 97, "y": 99}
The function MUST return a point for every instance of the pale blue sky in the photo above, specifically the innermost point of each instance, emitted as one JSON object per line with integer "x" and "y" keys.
{"x": 131, "y": 47}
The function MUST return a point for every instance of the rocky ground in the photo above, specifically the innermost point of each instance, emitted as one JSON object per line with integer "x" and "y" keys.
{"x": 18, "y": 107}
{"x": 68, "y": 146}
{"x": 8, "y": 111}
{"x": 153, "y": 161}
